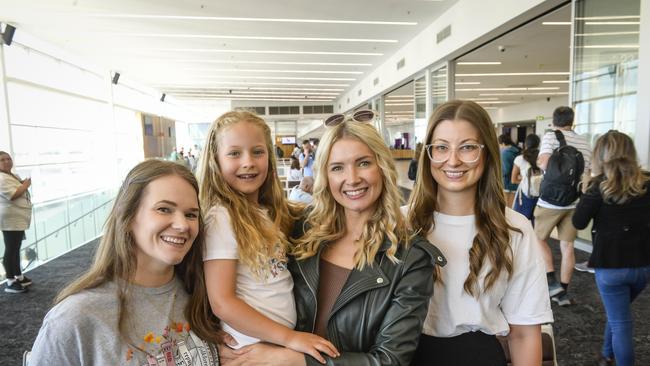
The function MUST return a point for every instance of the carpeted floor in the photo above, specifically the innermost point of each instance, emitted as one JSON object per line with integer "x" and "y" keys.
{"x": 578, "y": 328}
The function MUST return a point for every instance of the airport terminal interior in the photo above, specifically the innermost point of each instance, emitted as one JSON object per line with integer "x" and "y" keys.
{"x": 90, "y": 88}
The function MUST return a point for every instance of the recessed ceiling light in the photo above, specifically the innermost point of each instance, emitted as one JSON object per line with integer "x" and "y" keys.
{"x": 270, "y": 77}
{"x": 468, "y": 82}
{"x": 610, "y": 17}
{"x": 555, "y": 82}
{"x": 265, "y": 99}
{"x": 234, "y": 95}
{"x": 252, "y": 92}
{"x": 242, "y": 19}
{"x": 606, "y": 34}
{"x": 556, "y": 23}
{"x": 515, "y": 74}
{"x": 242, "y": 88}
{"x": 397, "y": 104}
{"x": 607, "y": 46}
{"x": 478, "y": 63}
{"x": 264, "y": 38}
{"x": 214, "y": 50}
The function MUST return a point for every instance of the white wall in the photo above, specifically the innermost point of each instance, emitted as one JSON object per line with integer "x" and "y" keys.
{"x": 541, "y": 111}
{"x": 471, "y": 22}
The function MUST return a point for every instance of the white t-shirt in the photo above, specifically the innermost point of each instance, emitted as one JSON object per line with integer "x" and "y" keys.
{"x": 272, "y": 297}
{"x": 522, "y": 300}
{"x": 550, "y": 143}
{"x": 523, "y": 172}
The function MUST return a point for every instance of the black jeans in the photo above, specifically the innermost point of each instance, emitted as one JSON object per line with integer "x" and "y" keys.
{"x": 11, "y": 259}
{"x": 467, "y": 349}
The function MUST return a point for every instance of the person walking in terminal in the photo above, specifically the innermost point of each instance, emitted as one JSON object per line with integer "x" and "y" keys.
{"x": 15, "y": 218}
{"x": 618, "y": 202}
{"x": 143, "y": 300}
{"x": 558, "y": 196}
{"x": 361, "y": 279}
{"x": 528, "y": 175}
{"x": 248, "y": 219}
{"x": 493, "y": 283}
{"x": 509, "y": 152}
{"x": 307, "y": 159}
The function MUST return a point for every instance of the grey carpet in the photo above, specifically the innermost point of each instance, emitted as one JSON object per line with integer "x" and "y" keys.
{"x": 578, "y": 328}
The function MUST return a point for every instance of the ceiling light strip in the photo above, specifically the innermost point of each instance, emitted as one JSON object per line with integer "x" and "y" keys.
{"x": 226, "y": 95}
{"x": 280, "y": 52}
{"x": 251, "y": 92}
{"x": 194, "y": 84}
{"x": 555, "y": 82}
{"x": 266, "y": 99}
{"x": 263, "y": 38}
{"x": 478, "y": 63}
{"x": 515, "y": 74}
{"x": 524, "y": 94}
{"x": 278, "y": 71}
{"x": 266, "y": 62}
{"x": 244, "y": 88}
{"x": 246, "y": 19}
{"x": 513, "y": 89}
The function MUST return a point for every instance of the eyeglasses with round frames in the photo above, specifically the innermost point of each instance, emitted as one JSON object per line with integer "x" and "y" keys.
{"x": 362, "y": 116}
{"x": 467, "y": 153}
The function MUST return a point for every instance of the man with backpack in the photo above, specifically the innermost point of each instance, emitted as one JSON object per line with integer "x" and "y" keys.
{"x": 565, "y": 157}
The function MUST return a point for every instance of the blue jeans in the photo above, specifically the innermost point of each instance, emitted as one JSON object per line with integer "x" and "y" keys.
{"x": 618, "y": 287}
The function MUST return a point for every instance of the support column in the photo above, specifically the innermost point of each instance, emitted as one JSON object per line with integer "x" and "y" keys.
{"x": 5, "y": 130}
{"x": 642, "y": 129}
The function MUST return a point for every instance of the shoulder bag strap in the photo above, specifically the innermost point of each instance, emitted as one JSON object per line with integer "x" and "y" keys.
{"x": 560, "y": 137}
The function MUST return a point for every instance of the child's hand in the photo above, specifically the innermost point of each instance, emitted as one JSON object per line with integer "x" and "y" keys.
{"x": 312, "y": 345}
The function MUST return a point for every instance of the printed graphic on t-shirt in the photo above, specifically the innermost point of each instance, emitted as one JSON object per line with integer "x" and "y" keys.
{"x": 177, "y": 345}
{"x": 277, "y": 267}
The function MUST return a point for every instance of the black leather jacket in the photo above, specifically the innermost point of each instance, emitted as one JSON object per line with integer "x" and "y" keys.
{"x": 378, "y": 317}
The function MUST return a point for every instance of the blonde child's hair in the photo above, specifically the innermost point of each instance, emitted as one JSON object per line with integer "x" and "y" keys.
{"x": 259, "y": 240}
{"x": 326, "y": 221}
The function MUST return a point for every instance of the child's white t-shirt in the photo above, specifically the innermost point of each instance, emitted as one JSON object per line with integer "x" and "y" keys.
{"x": 521, "y": 300}
{"x": 272, "y": 297}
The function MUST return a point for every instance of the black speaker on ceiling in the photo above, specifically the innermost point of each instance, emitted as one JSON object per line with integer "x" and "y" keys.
{"x": 116, "y": 77}
{"x": 162, "y": 98}
{"x": 8, "y": 34}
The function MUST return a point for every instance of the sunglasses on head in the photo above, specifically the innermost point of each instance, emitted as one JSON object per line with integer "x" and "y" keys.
{"x": 362, "y": 116}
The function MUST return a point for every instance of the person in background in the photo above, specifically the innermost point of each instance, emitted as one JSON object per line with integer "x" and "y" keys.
{"x": 493, "y": 283}
{"x": 549, "y": 216}
{"x": 173, "y": 156}
{"x": 528, "y": 175}
{"x": 15, "y": 218}
{"x": 295, "y": 173}
{"x": 307, "y": 159}
{"x": 303, "y": 192}
{"x": 618, "y": 202}
{"x": 509, "y": 152}
{"x": 413, "y": 165}
{"x": 143, "y": 301}
{"x": 278, "y": 152}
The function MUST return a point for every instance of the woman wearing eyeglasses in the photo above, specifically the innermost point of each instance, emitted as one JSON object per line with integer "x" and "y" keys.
{"x": 361, "y": 280}
{"x": 494, "y": 281}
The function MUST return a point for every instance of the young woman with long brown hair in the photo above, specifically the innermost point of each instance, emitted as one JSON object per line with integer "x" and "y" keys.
{"x": 618, "y": 200}
{"x": 143, "y": 301}
{"x": 493, "y": 283}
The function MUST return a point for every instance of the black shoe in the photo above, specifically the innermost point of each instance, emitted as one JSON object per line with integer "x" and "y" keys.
{"x": 15, "y": 288}
{"x": 24, "y": 282}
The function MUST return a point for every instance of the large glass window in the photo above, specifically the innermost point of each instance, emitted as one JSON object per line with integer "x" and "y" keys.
{"x": 606, "y": 61}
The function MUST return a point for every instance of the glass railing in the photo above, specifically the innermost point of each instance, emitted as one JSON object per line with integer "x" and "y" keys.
{"x": 61, "y": 225}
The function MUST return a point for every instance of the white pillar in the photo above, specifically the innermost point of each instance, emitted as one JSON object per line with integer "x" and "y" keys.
{"x": 642, "y": 130}
{"x": 5, "y": 130}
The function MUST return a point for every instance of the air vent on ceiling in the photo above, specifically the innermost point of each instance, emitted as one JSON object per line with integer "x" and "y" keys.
{"x": 317, "y": 109}
{"x": 401, "y": 63}
{"x": 257, "y": 110}
{"x": 375, "y": 82}
{"x": 443, "y": 34}
{"x": 284, "y": 110}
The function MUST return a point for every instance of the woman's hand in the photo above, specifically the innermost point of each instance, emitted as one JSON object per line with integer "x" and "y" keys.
{"x": 311, "y": 344}
{"x": 261, "y": 354}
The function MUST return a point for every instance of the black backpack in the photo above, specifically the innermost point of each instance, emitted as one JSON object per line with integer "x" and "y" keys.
{"x": 563, "y": 174}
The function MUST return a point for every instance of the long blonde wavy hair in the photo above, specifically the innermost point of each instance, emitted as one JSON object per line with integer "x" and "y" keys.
{"x": 615, "y": 162}
{"x": 492, "y": 241}
{"x": 116, "y": 259}
{"x": 326, "y": 220}
{"x": 258, "y": 239}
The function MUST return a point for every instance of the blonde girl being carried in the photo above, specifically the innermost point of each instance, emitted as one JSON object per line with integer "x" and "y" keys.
{"x": 248, "y": 218}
